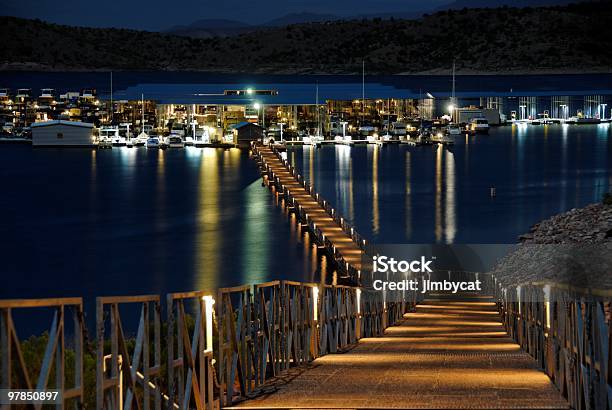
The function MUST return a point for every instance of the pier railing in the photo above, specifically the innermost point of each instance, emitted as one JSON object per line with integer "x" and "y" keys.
{"x": 207, "y": 352}
{"x": 344, "y": 267}
{"x": 266, "y": 329}
{"x": 128, "y": 372}
{"x": 331, "y": 211}
{"x": 189, "y": 341}
{"x": 568, "y": 331}
{"x": 15, "y": 372}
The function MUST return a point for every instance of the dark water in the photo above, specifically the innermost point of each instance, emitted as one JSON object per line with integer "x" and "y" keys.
{"x": 401, "y": 194}
{"x": 132, "y": 221}
{"x": 135, "y": 221}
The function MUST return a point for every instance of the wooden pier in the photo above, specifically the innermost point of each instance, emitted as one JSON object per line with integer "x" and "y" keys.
{"x": 452, "y": 353}
{"x": 331, "y": 230}
{"x": 297, "y": 345}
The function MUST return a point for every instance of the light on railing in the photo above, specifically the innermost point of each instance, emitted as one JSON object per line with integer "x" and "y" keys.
{"x": 358, "y": 301}
{"x": 315, "y": 302}
{"x": 208, "y": 305}
{"x": 547, "y": 304}
{"x": 518, "y": 298}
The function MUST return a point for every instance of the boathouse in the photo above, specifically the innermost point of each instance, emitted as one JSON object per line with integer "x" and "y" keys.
{"x": 245, "y": 132}
{"x": 62, "y": 133}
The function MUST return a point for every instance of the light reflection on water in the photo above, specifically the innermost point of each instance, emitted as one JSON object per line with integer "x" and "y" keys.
{"x": 443, "y": 195}
{"x": 135, "y": 221}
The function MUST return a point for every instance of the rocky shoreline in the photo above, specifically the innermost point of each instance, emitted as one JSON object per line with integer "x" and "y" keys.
{"x": 591, "y": 224}
{"x": 573, "y": 248}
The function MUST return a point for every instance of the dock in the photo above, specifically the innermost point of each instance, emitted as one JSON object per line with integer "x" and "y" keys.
{"x": 452, "y": 353}
{"x": 332, "y": 231}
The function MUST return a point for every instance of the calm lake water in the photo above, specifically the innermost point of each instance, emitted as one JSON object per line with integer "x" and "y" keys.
{"x": 136, "y": 221}
{"x": 401, "y": 194}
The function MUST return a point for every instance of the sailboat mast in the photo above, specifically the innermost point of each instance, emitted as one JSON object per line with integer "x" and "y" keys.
{"x": 453, "y": 93}
{"x": 362, "y": 91}
{"x": 318, "y": 110}
{"x": 111, "y": 97}
{"x": 142, "y": 110}
{"x": 388, "y": 115}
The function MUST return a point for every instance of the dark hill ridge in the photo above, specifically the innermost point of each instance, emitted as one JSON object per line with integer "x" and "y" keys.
{"x": 574, "y": 38}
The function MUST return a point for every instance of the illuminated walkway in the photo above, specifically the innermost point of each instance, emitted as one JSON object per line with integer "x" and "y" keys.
{"x": 332, "y": 231}
{"x": 449, "y": 354}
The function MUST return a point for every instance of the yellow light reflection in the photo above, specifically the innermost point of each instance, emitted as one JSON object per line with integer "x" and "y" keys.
{"x": 408, "y": 196}
{"x": 375, "y": 210}
{"x": 207, "y": 241}
{"x": 449, "y": 208}
{"x": 438, "y": 196}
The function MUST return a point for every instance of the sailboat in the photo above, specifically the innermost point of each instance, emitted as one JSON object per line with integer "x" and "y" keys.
{"x": 317, "y": 139}
{"x": 387, "y": 136}
{"x": 142, "y": 138}
{"x": 453, "y": 129}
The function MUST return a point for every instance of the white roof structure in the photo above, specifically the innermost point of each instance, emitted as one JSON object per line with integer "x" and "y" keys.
{"x": 62, "y": 122}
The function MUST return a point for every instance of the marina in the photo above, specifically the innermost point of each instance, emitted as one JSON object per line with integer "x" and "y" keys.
{"x": 334, "y": 110}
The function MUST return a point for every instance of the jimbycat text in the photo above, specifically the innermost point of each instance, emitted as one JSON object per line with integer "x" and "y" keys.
{"x": 428, "y": 285}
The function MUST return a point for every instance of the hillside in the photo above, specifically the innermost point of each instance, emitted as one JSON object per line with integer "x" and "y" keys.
{"x": 574, "y": 38}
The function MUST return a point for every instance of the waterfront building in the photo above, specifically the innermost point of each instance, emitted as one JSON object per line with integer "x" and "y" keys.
{"x": 245, "y": 132}
{"x": 62, "y": 133}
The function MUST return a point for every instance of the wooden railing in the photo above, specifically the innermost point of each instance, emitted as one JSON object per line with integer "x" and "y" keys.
{"x": 349, "y": 271}
{"x": 268, "y": 328}
{"x": 128, "y": 377}
{"x": 190, "y": 383}
{"x": 261, "y": 332}
{"x": 568, "y": 331}
{"x": 14, "y": 371}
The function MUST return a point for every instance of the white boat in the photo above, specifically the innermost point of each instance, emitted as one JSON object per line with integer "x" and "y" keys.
{"x": 366, "y": 130}
{"x": 174, "y": 141}
{"x": 111, "y": 134}
{"x": 228, "y": 138}
{"x": 125, "y": 133}
{"x": 152, "y": 142}
{"x": 478, "y": 126}
{"x": 203, "y": 139}
{"x": 178, "y": 129}
{"x": 104, "y": 143}
{"x": 314, "y": 140}
{"x": 118, "y": 141}
{"x": 141, "y": 139}
{"x": 453, "y": 129}
{"x": 399, "y": 129}
{"x": 440, "y": 138}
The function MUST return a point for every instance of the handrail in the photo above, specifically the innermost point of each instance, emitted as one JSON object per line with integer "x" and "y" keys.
{"x": 15, "y": 372}
{"x": 261, "y": 331}
{"x": 567, "y": 330}
{"x": 346, "y": 227}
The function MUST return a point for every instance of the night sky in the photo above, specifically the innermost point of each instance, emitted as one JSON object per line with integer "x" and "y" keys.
{"x": 163, "y": 14}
